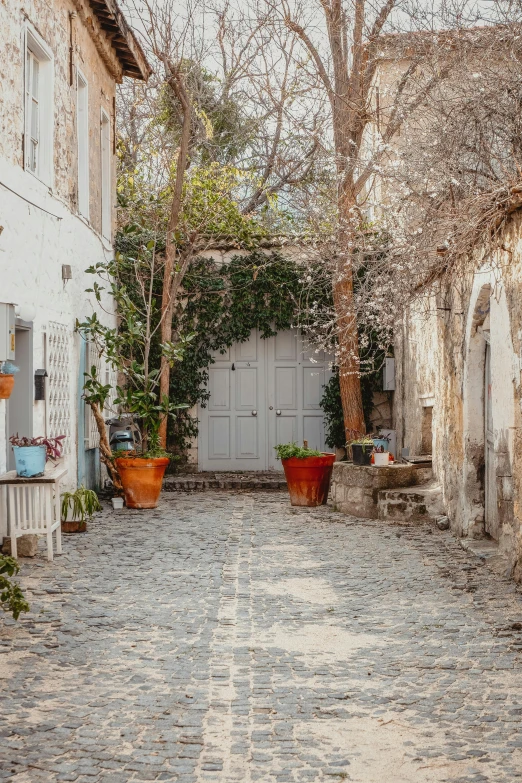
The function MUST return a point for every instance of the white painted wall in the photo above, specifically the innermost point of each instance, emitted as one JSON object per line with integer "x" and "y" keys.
{"x": 33, "y": 247}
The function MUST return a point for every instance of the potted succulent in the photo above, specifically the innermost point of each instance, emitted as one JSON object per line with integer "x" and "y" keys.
{"x": 31, "y": 454}
{"x": 308, "y": 473}
{"x": 362, "y": 449}
{"x": 128, "y": 349}
{"x": 7, "y": 379}
{"x": 77, "y": 508}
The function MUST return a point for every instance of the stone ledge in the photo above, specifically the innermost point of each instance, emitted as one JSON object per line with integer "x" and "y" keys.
{"x": 417, "y": 503}
{"x": 355, "y": 488}
{"x": 193, "y": 482}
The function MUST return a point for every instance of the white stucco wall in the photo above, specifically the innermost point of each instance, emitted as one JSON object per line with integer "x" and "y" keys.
{"x": 33, "y": 247}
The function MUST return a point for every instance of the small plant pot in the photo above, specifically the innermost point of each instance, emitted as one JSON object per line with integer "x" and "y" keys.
{"x": 362, "y": 453}
{"x": 381, "y": 459}
{"x": 117, "y": 503}
{"x": 141, "y": 479}
{"x": 308, "y": 479}
{"x": 30, "y": 460}
{"x": 6, "y": 386}
{"x": 381, "y": 443}
{"x": 74, "y": 526}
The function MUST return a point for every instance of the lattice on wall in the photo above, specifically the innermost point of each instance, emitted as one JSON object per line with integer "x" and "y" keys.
{"x": 92, "y": 359}
{"x": 107, "y": 376}
{"x": 59, "y": 354}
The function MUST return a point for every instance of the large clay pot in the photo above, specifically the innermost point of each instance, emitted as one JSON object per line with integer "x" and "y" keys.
{"x": 142, "y": 480}
{"x": 308, "y": 479}
{"x": 6, "y": 386}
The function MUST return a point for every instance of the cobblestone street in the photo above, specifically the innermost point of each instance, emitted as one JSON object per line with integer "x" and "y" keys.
{"x": 228, "y": 637}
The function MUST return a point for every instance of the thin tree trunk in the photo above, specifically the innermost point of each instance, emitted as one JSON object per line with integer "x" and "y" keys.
{"x": 105, "y": 449}
{"x": 349, "y": 364}
{"x": 170, "y": 278}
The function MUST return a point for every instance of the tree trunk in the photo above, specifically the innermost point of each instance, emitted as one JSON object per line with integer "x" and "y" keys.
{"x": 105, "y": 449}
{"x": 348, "y": 340}
{"x": 170, "y": 278}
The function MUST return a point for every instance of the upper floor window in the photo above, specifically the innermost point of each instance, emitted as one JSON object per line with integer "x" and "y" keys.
{"x": 105, "y": 144}
{"x": 39, "y": 109}
{"x": 82, "y": 120}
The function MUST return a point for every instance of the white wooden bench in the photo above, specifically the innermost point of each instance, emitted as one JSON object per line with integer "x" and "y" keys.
{"x": 32, "y": 506}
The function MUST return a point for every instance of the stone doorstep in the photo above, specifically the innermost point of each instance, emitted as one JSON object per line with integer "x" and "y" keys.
{"x": 356, "y": 489}
{"x": 489, "y": 553}
{"x": 204, "y": 481}
{"x": 419, "y": 503}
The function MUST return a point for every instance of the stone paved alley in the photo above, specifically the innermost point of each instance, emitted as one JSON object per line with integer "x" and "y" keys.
{"x": 229, "y": 637}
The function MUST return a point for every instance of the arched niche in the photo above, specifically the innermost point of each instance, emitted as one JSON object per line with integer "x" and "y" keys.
{"x": 473, "y": 409}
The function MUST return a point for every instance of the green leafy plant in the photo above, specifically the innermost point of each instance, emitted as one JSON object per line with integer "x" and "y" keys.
{"x": 365, "y": 440}
{"x": 11, "y": 596}
{"x": 128, "y": 347}
{"x": 82, "y": 503}
{"x": 289, "y": 450}
{"x": 333, "y": 413}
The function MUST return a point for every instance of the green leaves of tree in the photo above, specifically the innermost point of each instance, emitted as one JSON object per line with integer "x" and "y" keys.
{"x": 11, "y": 596}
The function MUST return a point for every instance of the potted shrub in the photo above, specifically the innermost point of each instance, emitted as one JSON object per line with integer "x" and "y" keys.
{"x": 7, "y": 379}
{"x": 308, "y": 473}
{"x": 362, "y": 450}
{"x": 128, "y": 349}
{"x": 77, "y": 508}
{"x": 31, "y": 454}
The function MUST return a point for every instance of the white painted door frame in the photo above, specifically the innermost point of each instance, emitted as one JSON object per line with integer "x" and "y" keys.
{"x": 490, "y": 477}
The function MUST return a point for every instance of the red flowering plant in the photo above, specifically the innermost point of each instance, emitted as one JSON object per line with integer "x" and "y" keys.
{"x": 53, "y": 446}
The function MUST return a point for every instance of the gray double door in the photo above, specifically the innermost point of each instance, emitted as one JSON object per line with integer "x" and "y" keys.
{"x": 262, "y": 392}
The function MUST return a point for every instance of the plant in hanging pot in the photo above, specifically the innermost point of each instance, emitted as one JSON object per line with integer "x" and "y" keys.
{"x": 7, "y": 379}
{"x": 31, "y": 454}
{"x": 78, "y": 508}
{"x": 308, "y": 473}
{"x": 362, "y": 450}
{"x": 132, "y": 350}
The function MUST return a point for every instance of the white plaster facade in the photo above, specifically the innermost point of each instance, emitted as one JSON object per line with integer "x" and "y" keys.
{"x": 45, "y": 222}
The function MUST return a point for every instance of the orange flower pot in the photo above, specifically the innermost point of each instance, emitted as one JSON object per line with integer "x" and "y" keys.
{"x": 308, "y": 479}
{"x": 6, "y": 386}
{"x": 141, "y": 479}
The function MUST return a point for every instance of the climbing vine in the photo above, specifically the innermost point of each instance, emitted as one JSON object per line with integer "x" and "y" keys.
{"x": 222, "y": 304}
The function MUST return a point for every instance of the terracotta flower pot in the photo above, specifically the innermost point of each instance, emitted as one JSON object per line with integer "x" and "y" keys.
{"x": 308, "y": 479}
{"x": 6, "y": 386}
{"x": 141, "y": 479}
{"x": 74, "y": 526}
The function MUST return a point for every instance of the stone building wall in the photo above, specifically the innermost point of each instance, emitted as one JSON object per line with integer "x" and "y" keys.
{"x": 440, "y": 357}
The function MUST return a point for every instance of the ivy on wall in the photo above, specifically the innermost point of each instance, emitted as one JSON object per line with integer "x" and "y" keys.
{"x": 223, "y": 303}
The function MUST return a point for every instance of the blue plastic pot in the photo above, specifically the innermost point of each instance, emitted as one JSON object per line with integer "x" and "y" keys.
{"x": 29, "y": 460}
{"x": 383, "y": 443}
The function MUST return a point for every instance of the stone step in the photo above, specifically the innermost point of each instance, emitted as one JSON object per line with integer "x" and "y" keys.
{"x": 421, "y": 503}
{"x": 192, "y": 482}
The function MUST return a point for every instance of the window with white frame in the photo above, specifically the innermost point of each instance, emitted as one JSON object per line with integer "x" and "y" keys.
{"x": 105, "y": 144}
{"x": 39, "y": 107}
{"x": 82, "y": 111}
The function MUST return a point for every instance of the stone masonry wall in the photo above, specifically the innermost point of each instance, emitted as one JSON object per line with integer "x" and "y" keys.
{"x": 441, "y": 353}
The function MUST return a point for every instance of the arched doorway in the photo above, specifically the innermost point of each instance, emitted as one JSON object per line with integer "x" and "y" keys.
{"x": 488, "y": 412}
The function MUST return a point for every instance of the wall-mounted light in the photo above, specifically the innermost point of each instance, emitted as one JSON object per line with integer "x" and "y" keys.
{"x": 26, "y": 312}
